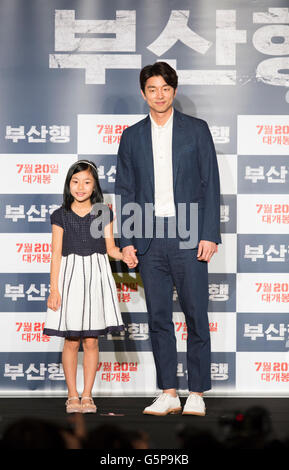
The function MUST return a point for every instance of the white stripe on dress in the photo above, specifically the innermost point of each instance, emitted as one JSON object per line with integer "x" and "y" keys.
{"x": 88, "y": 294}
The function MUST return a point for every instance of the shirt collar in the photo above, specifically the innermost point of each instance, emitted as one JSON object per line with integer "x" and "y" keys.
{"x": 167, "y": 124}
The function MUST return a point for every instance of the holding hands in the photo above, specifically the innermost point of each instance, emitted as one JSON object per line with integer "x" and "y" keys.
{"x": 129, "y": 256}
{"x": 206, "y": 250}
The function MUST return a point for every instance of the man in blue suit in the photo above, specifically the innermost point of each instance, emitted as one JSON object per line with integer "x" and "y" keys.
{"x": 167, "y": 167}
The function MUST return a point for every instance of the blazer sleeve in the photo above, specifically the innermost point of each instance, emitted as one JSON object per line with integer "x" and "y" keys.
{"x": 211, "y": 186}
{"x": 124, "y": 187}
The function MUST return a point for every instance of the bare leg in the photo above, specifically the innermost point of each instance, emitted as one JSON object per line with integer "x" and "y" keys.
{"x": 69, "y": 362}
{"x": 171, "y": 391}
{"x": 90, "y": 361}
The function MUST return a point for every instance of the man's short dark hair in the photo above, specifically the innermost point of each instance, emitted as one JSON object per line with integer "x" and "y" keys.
{"x": 159, "y": 68}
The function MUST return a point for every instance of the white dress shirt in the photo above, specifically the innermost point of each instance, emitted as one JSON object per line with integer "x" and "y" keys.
{"x": 162, "y": 137}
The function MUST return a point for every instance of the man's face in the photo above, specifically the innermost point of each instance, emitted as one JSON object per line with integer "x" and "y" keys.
{"x": 158, "y": 94}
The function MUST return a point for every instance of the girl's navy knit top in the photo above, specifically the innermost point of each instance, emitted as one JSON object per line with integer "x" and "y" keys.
{"x": 83, "y": 235}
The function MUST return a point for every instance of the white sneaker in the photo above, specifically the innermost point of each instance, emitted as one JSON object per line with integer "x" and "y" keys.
{"x": 163, "y": 405}
{"x": 195, "y": 405}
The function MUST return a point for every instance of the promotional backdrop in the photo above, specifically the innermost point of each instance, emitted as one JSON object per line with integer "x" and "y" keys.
{"x": 69, "y": 85}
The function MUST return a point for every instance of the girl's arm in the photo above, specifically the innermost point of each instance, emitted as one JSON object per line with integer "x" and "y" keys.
{"x": 54, "y": 299}
{"x": 111, "y": 248}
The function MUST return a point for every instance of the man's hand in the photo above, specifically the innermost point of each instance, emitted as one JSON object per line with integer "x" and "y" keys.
{"x": 129, "y": 256}
{"x": 206, "y": 250}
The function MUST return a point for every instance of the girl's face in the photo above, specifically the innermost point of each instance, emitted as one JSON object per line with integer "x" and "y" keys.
{"x": 82, "y": 185}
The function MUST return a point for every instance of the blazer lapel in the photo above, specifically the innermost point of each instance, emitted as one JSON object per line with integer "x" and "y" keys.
{"x": 178, "y": 135}
{"x": 146, "y": 139}
{"x": 146, "y": 145}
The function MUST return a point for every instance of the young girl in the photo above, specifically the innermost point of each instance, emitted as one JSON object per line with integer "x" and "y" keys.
{"x": 83, "y": 302}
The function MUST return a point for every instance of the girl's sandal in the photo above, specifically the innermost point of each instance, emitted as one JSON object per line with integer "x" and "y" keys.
{"x": 88, "y": 407}
{"x": 73, "y": 407}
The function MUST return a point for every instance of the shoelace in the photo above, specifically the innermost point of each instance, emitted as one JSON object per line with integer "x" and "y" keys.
{"x": 162, "y": 397}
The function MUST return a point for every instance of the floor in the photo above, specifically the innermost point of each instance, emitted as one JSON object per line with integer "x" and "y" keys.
{"x": 223, "y": 415}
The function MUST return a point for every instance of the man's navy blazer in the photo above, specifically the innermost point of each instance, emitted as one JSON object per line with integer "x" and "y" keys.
{"x": 195, "y": 176}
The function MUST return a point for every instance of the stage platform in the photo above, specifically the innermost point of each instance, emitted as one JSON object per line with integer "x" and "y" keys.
{"x": 224, "y": 415}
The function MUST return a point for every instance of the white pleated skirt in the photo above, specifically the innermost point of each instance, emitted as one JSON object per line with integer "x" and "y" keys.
{"x": 89, "y": 304}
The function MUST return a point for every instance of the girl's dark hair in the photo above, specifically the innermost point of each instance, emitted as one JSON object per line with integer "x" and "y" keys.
{"x": 159, "y": 68}
{"x": 82, "y": 165}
